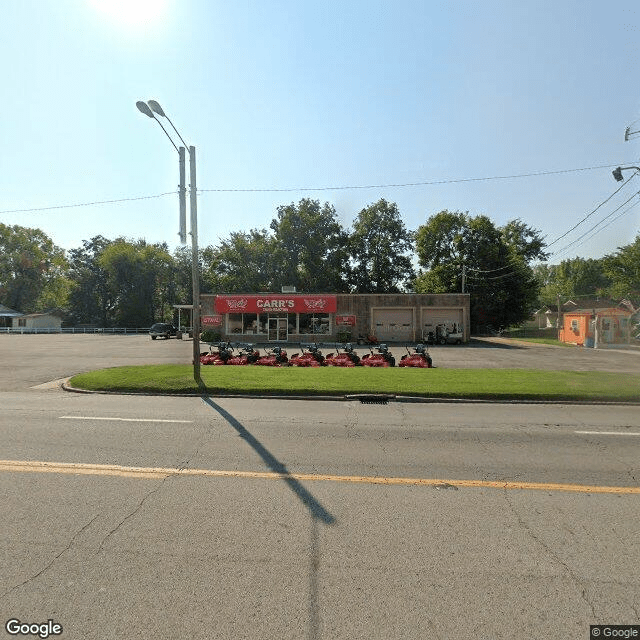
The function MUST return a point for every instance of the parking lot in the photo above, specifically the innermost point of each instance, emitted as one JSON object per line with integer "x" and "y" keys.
{"x": 30, "y": 360}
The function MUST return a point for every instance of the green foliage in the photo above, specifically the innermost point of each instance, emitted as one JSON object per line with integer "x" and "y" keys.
{"x": 379, "y": 245}
{"x": 33, "y": 270}
{"x": 575, "y": 278}
{"x": 90, "y": 301}
{"x": 209, "y": 335}
{"x": 309, "y": 247}
{"x": 498, "y": 276}
{"x": 139, "y": 281}
{"x": 241, "y": 263}
{"x": 623, "y": 272}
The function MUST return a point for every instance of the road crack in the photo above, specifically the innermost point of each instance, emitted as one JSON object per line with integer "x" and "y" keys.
{"x": 132, "y": 513}
{"x": 552, "y": 554}
{"x": 53, "y": 560}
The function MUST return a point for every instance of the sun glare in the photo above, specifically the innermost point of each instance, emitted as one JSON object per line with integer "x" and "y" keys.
{"x": 131, "y": 13}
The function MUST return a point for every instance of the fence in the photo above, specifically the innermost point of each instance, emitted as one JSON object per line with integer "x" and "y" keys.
{"x": 107, "y": 330}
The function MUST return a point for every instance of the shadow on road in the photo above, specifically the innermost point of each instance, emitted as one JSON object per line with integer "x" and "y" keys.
{"x": 317, "y": 512}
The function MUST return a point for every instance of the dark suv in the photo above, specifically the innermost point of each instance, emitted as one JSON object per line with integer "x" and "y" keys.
{"x": 162, "y": 330}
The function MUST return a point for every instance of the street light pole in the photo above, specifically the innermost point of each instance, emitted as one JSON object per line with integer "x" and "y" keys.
{"x": 150, "y": 108}
{"x": 195, "y": 267}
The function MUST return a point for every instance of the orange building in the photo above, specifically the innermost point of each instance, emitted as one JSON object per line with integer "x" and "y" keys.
{"x": 596, "y": 327}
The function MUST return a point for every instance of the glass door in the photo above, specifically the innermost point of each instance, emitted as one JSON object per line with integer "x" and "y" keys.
{"x": 278, "y": 329}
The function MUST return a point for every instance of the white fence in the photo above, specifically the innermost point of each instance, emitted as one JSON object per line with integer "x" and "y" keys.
{"x": 108, "y": 330}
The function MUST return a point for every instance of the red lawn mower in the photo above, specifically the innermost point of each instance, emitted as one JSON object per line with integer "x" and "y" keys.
{"x": 345, "y": 358}
{"x": 311, "y": 356}
{"x": 246, "y": 355}
{"x": 420, "y": 358}
{"x": 219, "y": 357}
{"x": 276, "y": 357}
{"x": 381, "y": 359}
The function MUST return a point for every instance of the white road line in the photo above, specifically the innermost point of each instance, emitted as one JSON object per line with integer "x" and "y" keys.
{"x": 121, "y": 419}
{"x": 609, "y": 433}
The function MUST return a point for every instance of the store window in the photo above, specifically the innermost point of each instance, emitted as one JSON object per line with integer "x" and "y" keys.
{"x": 314, "y": 323}
{"x": 247, "y": 323}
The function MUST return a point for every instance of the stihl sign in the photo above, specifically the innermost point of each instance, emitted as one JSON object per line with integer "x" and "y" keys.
{"x": 211, "y": 321}
{"x": 264, "y": 304}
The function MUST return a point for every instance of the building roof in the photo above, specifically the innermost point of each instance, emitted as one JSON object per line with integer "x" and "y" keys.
{"x": 6, "y": 312}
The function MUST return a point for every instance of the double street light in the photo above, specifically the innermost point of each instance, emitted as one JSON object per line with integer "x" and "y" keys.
{"x": 150, "y": 109}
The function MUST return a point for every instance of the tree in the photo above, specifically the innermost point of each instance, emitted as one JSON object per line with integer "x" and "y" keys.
{"x": 575, "y": 278}
{"x": 310, "y": 247}
{"x": 241, "y": 263}
{"x": 378, "y": 248}
{"x": 496, "y": 261}
{"x": 33, "y": 270}
{"x": 90, "y": 297}
{"x": 138, "y": 277}
{"x": 623, "y": 271}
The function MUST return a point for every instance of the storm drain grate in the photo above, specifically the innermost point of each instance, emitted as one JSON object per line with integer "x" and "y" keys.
{"x": 371, "y": 398}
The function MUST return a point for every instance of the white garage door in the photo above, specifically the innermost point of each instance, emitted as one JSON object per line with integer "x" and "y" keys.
{"x": 432, "y": 317}
{"x": 393, "y": 325}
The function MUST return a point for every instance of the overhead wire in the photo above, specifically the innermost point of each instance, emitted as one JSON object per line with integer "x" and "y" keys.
{"x": 409, "y": 184}
{"x": 568, "y": 246}
{"x": 594, "y": 210}
{"x": 89, "y": 204}
{"x": 328, "y": 188}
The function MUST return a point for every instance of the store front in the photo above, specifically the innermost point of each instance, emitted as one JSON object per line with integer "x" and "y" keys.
{"x": 271, "y": 318}
{"x": 276, "y": 318}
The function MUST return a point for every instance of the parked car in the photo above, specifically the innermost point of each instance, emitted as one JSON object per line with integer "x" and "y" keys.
{"x": 162, "y": 330}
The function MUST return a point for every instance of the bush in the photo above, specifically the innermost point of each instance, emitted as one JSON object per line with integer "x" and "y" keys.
{"x": 208, "y": 335}
{"x": 343, "y": 336}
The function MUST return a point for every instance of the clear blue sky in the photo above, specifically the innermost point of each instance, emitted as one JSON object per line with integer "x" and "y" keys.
{"x": 281, "y": 94}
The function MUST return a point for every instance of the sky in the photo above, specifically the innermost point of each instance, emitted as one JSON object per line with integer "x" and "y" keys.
{"x": 286, "y": 100}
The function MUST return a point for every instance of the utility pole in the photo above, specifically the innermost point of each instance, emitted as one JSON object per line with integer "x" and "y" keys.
{"x": 464, "y": 276}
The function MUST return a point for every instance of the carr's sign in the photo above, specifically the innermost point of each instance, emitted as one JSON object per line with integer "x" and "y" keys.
{"x": 276, "y": 303}
{"x": 345, "y": 321}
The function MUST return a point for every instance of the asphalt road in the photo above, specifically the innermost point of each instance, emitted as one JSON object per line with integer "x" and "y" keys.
{"x": 224, "y": 518}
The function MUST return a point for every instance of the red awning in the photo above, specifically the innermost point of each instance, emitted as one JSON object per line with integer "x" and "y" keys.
{"x": 276, "y": 303}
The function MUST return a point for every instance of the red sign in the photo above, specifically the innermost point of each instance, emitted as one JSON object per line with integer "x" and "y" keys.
{"x": 345, "y": 321}
{"x": 276, "y": 303}
{"x": 211, "y": 321}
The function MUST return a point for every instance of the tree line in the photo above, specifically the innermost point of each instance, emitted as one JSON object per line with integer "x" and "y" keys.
{"x": 132, "y": 283}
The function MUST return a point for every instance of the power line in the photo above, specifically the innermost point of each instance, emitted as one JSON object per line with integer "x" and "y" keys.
{"x": 564, "y": 249}
{"x": 408, "y": 184}
{"x": 592, "y": 212}
{"x": 89, "y": 204}
{"x": 330, "y": 188}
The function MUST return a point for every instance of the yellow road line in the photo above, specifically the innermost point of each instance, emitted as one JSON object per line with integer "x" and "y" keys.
{"x": 163, "y": 472}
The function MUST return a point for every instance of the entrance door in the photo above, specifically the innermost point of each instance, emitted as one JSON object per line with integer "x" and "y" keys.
{"x": 278, "y": 329}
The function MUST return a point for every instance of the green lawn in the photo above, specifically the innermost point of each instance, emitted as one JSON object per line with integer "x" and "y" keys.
{"x": 551, "y": 341}
{"x": 494, "y": 384}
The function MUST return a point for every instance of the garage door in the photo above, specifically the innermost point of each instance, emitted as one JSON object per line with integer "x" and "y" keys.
{"x": 393, "y": 325}
{"x": 432, "y": 317}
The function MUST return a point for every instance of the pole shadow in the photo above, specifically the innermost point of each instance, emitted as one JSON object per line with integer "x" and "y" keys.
{"x": 317, "y": 512}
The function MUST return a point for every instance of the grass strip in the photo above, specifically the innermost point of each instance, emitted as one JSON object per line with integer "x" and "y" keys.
{"x": 495, "y": 384}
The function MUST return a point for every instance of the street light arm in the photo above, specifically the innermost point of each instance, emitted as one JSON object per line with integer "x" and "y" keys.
{"x": 154, "y": 106}
{"x": 144, "y": 108}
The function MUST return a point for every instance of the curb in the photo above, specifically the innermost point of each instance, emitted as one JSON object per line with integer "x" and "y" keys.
{"x": 364, "y": 398}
